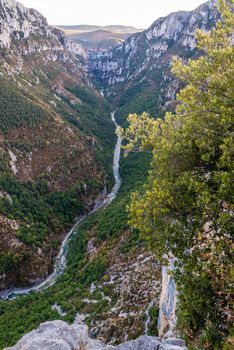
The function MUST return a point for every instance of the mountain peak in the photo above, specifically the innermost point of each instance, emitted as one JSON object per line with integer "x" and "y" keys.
{"x": 18, "y": 22}
{"x": 26, "y": 31}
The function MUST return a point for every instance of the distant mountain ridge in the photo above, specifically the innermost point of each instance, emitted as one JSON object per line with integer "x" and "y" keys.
{"x": 96, "y": 38}
{"x": 82, "y": 28}
{"x": 136, "y": 74}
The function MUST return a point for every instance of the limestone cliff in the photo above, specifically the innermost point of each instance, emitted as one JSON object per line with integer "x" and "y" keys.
{"x": 139, "y": 68}
{"x": 26, "y": 31}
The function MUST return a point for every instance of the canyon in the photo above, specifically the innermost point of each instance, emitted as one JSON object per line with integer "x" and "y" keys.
{"x": 100, "y": 272}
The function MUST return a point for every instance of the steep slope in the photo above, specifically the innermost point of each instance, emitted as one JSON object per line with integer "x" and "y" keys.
{"x": 112, "y": 280}
{"x": 136, "y": 74}
{"x": 56, "y": 141}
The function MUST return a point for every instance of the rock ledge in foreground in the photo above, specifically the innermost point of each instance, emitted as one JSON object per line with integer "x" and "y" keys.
{"x": 58, "y": 335}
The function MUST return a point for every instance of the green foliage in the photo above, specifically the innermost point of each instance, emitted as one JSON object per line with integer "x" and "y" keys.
{"x": 153, "y": 313}
{"x": 20, "y": 316}
{"x": 17, "y": 110}
{"x": 141, "y": 97}
{"x": 187, "y": 204}
{"x": 34, "y": 235}
{"x": 94, "y": 271}
{"x": 40, "y": 211}
{"x": 4, "y": 167}
{"x": 93, "y": 118}
{"x": 8, "y": 262}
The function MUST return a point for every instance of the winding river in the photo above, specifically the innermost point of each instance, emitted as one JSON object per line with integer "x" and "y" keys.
{"x": 60, "y": 263}
{"x": 167, "y": 305}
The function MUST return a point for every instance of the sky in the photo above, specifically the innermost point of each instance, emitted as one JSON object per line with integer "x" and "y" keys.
{"x": 138, "y": 13}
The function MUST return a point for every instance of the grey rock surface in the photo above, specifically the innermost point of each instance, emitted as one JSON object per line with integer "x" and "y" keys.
{"x": 58, "y": 335}
{"x": 30, "y": 30}
{"x": 139, "y": 53}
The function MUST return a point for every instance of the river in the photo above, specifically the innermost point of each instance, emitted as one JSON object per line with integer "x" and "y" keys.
{"x": 167, "y": 305}
{"x": 60, "y": 263}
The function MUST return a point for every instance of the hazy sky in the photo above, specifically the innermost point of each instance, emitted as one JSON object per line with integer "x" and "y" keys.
{"x": 139, "y": 13}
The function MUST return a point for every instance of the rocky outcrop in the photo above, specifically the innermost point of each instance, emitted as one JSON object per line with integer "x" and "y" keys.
{"x": 141, "y": 51}
{"x": 135, "y": 284}
{"x": 140, "y": 68}
{"x": 26, "y": 32}
{"x": 20, "y": 24}
{"x": 167, "y": 303}
{"x": 58, "y": 335}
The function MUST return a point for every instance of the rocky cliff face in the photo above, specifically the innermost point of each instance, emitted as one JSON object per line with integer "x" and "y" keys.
{"x": 26, "y": 31}
{"x": 140, "y": 67}
{"x": 58, "y": 335}
{"x": 18, "y": 23}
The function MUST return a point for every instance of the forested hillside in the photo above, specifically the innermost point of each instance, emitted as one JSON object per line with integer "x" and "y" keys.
{"x": 56, "y": 143}
{"x": 105, "y": 232}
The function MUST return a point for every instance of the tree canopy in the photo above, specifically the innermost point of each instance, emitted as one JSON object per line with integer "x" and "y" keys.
{"x": 187, "y": 204}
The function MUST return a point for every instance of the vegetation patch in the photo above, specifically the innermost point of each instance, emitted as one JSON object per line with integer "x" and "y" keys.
{"x": 19, "y": 316}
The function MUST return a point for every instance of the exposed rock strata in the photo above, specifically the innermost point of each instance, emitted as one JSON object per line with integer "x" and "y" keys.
{"x": 141, "y": 51}
{"x": 139, "y": 68}
{"x": 19, "y": 24}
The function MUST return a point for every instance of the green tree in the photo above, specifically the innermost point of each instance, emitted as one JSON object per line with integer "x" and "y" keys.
{"x": 187, "y": 205}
